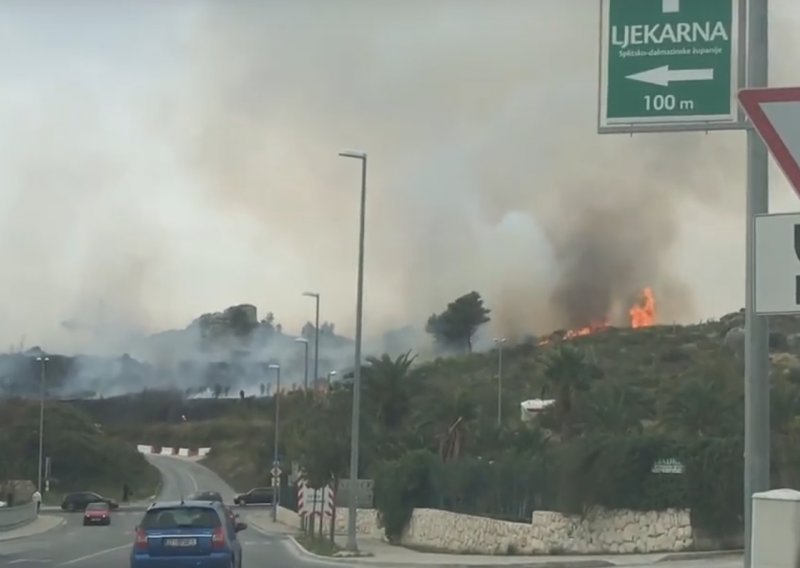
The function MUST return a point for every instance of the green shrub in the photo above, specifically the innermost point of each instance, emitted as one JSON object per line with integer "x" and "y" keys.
{"x": 715, "y": 478}
{"x": 402, "y": 485}
{"x": 615, "y": 472}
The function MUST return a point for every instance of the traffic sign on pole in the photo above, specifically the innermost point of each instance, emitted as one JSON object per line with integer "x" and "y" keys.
{"x": 668, "y": 63}
{"x": 275, "y": 471}
{"x": 775, "y": 114}
{"x": 776, "y": 289}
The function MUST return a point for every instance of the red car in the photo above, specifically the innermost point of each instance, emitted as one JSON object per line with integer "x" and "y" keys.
{"x": 97, "y": 514}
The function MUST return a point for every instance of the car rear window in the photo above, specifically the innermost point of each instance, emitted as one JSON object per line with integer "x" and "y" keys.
{"x": 97, "y": 506}
{"x": 180, "y": 517}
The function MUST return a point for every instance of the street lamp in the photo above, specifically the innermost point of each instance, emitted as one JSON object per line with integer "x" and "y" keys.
{"x": 305, "y": 372}
{"x": 276, "y": 482}
{"x": 315, "y": 295}
{"x": 499, "y": 342}
{"x": 351, "y": 517}
{"x": 43, "y": 360}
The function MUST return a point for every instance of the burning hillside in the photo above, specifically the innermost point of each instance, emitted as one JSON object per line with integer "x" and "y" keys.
{"x": 642, "y": 314}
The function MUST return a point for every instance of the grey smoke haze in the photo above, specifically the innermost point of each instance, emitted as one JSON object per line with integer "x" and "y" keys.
{"x": 175, "y": 159}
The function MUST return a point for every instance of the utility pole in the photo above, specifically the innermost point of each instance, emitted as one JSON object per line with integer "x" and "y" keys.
{"x": 304, "y": 341}
{"x": 352, "y": 545}
{"x": 315, "y": 295}
{"x": 499, "y": 342}
{"x": 276, "y": 485}
{"x": 756, "y": 360}
{"x": 43, "y": 360}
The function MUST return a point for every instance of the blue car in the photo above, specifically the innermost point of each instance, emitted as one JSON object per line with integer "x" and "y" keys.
{"x": 181, "y": 534}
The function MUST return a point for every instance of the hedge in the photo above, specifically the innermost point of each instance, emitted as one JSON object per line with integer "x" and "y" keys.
{"x": 609, "y": 471}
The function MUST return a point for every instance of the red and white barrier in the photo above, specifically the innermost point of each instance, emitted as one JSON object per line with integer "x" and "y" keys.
{"x": 314, "y": 502}
{"x": 170, "y": 451}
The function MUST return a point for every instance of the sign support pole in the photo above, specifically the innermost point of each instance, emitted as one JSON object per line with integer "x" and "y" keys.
{"x": 756, "y": 357}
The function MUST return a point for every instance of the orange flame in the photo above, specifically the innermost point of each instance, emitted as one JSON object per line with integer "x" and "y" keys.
{"x": 643, "y": 313}
{"x": 593, "y": 327}
{"x": 579, "y": 332}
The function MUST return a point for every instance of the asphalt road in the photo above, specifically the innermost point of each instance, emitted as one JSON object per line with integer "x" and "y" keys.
{"x": 77, "y": 546}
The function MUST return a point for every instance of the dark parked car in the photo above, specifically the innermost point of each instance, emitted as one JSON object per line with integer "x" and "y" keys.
{"x": 257, "y": 495}
{"x": 79, "y": 500}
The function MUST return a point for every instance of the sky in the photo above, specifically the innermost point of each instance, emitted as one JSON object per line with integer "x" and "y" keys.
{"x": 176, "y": 157}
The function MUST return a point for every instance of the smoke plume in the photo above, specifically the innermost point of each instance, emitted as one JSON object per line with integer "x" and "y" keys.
{"x": 177, "y": 158}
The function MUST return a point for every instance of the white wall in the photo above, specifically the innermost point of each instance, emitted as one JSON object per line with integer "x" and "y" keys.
{"x": 600, "y": 531}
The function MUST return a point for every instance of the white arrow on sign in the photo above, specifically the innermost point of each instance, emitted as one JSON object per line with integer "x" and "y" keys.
{"x": 663, "y": 75}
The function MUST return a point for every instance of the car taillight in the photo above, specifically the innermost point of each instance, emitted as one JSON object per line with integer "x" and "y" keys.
{"x": 141, "y": 540}
{"x": 218, "y": 540}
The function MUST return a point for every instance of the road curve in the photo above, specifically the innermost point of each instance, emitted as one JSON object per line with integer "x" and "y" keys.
{"x": 75, "y": 546}
{"x": 180, "y": 477}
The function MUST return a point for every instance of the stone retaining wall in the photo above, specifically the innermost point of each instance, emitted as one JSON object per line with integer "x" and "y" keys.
{"x": 598, "y": 532}
{"x": 366, "y": 522}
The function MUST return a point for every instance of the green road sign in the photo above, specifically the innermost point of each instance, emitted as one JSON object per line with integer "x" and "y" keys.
{"x": 668, "y": 62}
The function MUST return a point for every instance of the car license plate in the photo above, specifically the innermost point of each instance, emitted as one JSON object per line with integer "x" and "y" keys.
{"x": 180, "y": 542}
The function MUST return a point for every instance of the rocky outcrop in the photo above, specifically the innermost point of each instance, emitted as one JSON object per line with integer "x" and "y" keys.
{"x": 598, "y": 532}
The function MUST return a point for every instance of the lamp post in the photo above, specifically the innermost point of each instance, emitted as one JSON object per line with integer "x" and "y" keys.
{"x": 315, "y": 295}
{"x": 276, "y": 482}
{"x": 43, "y": 360}
{"x": 354, "y": 437}
{"x": 499, "y": 341}
{"x": 304, "y": 341}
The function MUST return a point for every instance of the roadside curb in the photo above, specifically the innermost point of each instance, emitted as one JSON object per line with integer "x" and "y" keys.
{"x": 700, "y": 555}
{"x": 565, "y": 564}
{"x": 306, "y": 552}
{"x": 258, "y": 527}
{"x": 60, "y": 522}
{"x": 370, "y": 559}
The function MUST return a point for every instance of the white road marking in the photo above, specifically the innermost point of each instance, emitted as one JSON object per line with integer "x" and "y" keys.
{"x": 95, "y": 554}
{"x": 21, "y": 560}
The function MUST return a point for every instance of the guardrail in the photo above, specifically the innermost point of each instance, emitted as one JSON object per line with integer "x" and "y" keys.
{"x": 13, "y": 517}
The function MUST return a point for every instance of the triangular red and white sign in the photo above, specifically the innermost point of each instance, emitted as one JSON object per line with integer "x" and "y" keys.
{"x": 775, "y": 114}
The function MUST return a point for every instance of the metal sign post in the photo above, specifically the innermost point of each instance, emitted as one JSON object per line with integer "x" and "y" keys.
{"x": 674, "y": 66}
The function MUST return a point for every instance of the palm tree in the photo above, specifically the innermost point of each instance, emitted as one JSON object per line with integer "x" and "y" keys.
{"x": 386, "y": 389}
{"x": 616, "y": 409}
{"x": 700, "y": 406}
{"x": 566, "y": 372}
{"x": 447, "y": 415}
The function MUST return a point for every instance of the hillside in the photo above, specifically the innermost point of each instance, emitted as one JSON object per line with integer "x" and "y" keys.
{"x": 83, "y": 456}
{"x": 624, "y": 398}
